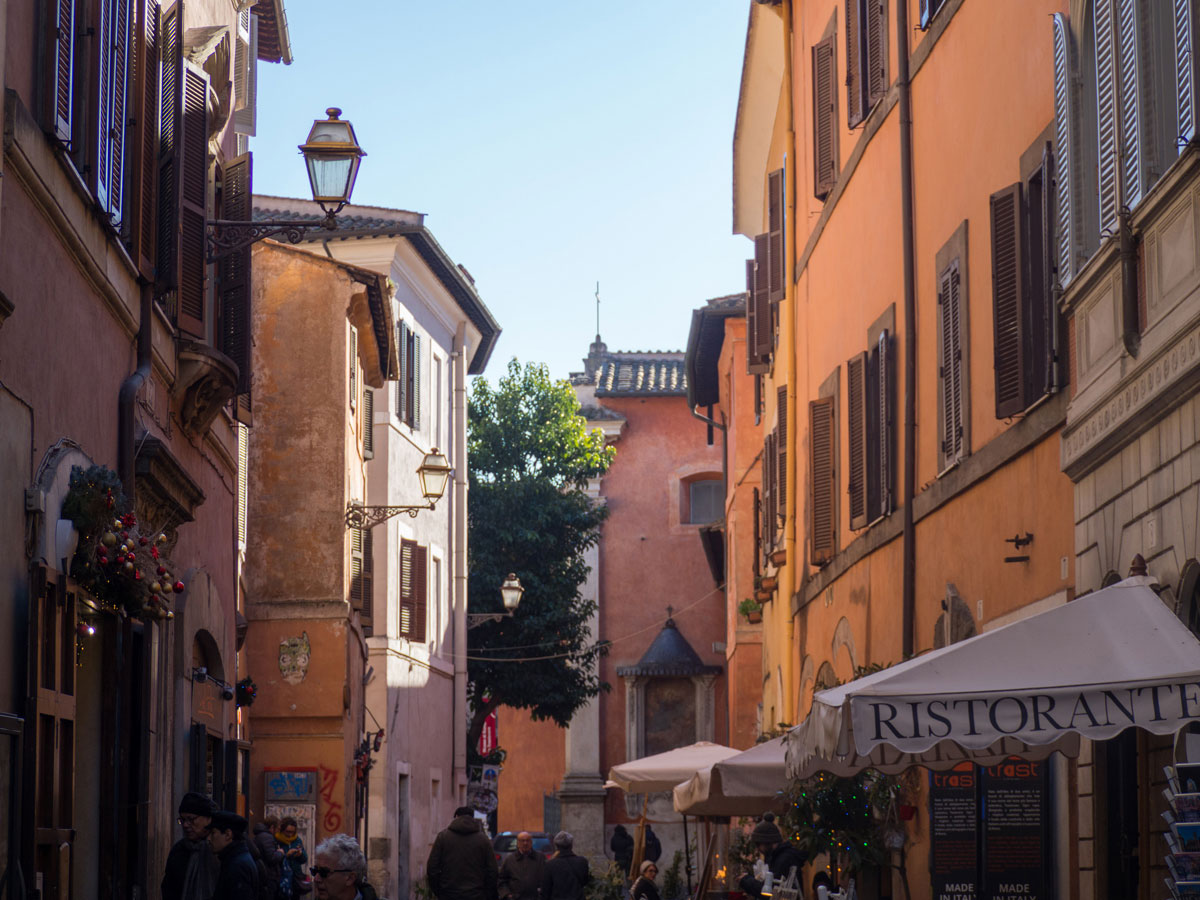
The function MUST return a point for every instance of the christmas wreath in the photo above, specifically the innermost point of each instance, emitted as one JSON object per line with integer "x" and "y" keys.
{"x": 117, "y": 560}
{"x": 247, "y": 691}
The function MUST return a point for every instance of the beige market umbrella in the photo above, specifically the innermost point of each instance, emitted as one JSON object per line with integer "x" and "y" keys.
{"x": 662, "y": 771}
{"x": 746, "y": 784}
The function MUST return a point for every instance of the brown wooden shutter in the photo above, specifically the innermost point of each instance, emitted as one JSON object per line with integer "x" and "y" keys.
{"x": 366, "y": 609}
{"x": 885, "y": 418}
{"x": 875, "y": 50}
{"x": 824, "y": 117}
{"x": 193, "y": 206}
{"x": 764, "y": 335}
{"x": 408, "y": 550}
{"x": 237, "y": 197}
{"x": 856, "y": 445}
{"x": 821, "y": 438}
{"x": 356, "y": 568}
{"x": 118, "y": 124}
{"x": 781, "y": 406}
{"x": 950, "y": 372}
{"x": 50, "y": 716}
{"x": 855, "y": 89}
{"x": 420, "y": 593}
{"x": 759, "y": 550}
{"x": 416, "y": 382}
{"x": 166, "y": 248}
{"x": 402, "y": 380}
{"x": 1008, "y": 301}
{"x": 368, "y": 423}
{"x": 60, "y": 69}
{"x": 1046, "y": 316}
{"x": 776, "y": 236}
{"x": 410, "y": 377}
{"x": 767, "y": 512}
{"x": 143, "y": 147}
{"x": 243, "y": 483}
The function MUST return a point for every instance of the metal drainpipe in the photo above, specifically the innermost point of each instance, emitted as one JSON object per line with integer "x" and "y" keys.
{"x": 724, "y": 429}
{"x": 459, "y": 538}
{"x": 1130, "y": 333}
{"x": 127, "y": 396}
{"x": 787, "y": 324}
{"x": 910, "y": 331}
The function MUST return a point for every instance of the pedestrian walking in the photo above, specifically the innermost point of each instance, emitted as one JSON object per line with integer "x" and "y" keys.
{"x": 566, "y": 874}
{"x": 339, "y": 870}
{"x": 191, "y": 869}
{"x": 781, "y": 857}
{"x": 239, "y": 877}
{"x": 522, "y": 870}
{"x": 644, "y": 887}
{"x": 622, "y": 848}
{"x": 271, "y": 855}
{"x": 295, "y": 856}
{"x": 462, "y": 865}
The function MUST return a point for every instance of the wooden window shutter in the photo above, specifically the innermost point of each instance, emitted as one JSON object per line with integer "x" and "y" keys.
{"x": 759, "y": 550}
{"x": 353, "y": 371}
{"x": 950, "y": 374}
{"x": 855, "y": 89}
{"x": 356, "y": 567}
{"x": 876, "y": 44}
{"x": 821, "y": 436}
{"x": 368, "y": 423}
{"x": 166, "y": 249}
{"x": 856, "y": 445}
{"x": 1046, "y": 315}
{"x": 1008, "y": 302}
{"x": 112, "y": 49}
{"x": 776, "y": 236}
{"x": 50, "y": 717}
{"x": 767, "y": 510}
{"x": 243, "y": 482}
{"x": 1064, "y": 130}
{"x": 781, "y": 452}
{"x": 237, "y": 198}
{"x": 925, "y": 13}
{"x": 420, "y": 593}
{"x": 1185, "y": 70}
{"x": 410, "y": 370}
{"x": 825, "y": 121}
{"x": 416, "y": 386}
{"x": 143, "y": 149}
{"x": 754, "y": 362}
{"x": 762, "y": 339}
{"x": 60, "y": 69}
{"x": 402, "y": 380}
{"x": 366, "y": 609}
{"x": 408, "y": 550}
{"x": 193, "y": 205}
{"x": 1131, "y": 114}
{"x": 245, "y": 117}
{"x": 884, "y": 415}
{"x": 1106, "y": 116}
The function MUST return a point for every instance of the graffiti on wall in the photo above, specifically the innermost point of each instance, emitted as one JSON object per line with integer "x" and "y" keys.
{"x": 294, "y": 653}
{"x": 332, "y": 823}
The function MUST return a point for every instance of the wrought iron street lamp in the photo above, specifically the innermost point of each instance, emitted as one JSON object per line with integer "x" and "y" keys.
{"x": 434, "y": 473}
{"x": 510, "y": 592}
{"x": 331, "y": 156}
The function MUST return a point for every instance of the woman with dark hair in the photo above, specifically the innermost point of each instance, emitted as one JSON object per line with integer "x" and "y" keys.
{"x": 294, "y": 854}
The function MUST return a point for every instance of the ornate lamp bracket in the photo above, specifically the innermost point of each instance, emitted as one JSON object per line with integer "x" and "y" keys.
{"x": 359, "y": 516}
{"x": 226, "y": 236}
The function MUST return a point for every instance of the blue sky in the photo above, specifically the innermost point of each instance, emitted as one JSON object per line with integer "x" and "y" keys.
{"x": 550, "y": 146}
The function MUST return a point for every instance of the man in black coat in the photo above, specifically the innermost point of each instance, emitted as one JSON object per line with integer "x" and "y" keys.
{"x": 566, "y": 874}
{"x": 462, "y": 864}
{"x": 781, "y": 856}
{"x": 622, "y": 848}
{"x": 522, "y": 870}
{"x": 191, "y": 869}
{"x": 238, "y": 879}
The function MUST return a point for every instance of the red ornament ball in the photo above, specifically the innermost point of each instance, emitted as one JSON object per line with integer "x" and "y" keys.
{"x": 162, "y": 570}
{"x": 179, "y": 587}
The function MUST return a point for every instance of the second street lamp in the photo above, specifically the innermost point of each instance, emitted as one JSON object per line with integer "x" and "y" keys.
{"x": 331, "y": 156}
{"x": 511, "y": 592}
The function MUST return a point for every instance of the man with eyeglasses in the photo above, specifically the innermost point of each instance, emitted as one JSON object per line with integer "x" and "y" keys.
{"x": 339, "y": 870}
{"x": 192, "y": 867}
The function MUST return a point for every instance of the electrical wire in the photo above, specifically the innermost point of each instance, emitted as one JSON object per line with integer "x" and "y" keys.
{"x": 586, "y": 650}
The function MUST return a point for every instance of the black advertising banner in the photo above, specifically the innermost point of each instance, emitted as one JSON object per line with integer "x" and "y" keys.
{"x": 1014, "y": 801}
{"x": 953, "y": 823}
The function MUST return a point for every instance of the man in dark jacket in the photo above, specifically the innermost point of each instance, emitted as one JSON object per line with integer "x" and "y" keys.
{"x": 522, "y": 870}
{"x": 191, "y": 869}
{"x": 462, "y": 865}
{"x": 622, "y": 848}
{"x": 781, "y": 856}
{"x": 271, "y": 854}
{"x": 238, "y": 879}
{"x": 566, "y": 874}
{"x": 653, "y": 846}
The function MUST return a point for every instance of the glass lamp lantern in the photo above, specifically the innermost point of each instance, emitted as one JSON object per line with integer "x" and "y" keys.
{"x": 511, "y": 592}
{"x": 434, "y": 472}
{"x": 332, "y": 155}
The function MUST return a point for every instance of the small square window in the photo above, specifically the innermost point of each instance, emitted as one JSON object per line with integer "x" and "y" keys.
{"x": 705, "y": 501}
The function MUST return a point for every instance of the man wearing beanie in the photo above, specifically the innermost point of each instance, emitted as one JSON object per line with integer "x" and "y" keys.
{"x": 462, "y": 864}
{"x": 192, "y": 867}
{"x": 781, "y": 857}
{"x": 238, "y": 879}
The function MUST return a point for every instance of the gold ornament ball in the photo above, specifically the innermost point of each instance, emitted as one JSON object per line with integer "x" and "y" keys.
{"x": 128, "y": 566}
{"x": 109, "y": 539}
{"x": 156, "y": 587}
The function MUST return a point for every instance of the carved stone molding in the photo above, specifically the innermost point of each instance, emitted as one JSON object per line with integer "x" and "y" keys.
{"x": 167, "y": 497}
{"x": 207, "y": 381}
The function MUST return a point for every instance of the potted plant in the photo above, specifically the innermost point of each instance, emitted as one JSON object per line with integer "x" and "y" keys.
{"x": 751, "y": 609}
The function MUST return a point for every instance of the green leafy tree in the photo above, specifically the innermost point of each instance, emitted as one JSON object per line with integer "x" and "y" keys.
{"x": 530, "y": 459}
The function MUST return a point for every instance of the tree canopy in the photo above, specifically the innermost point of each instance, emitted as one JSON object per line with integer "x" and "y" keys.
{"x": 530, "y": 459}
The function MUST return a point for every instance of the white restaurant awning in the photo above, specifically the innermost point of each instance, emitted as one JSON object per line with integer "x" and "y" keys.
{"x": 662, "y": 771}
{"x": 1111, "y": 660}
{"x": 743, "y": 785}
